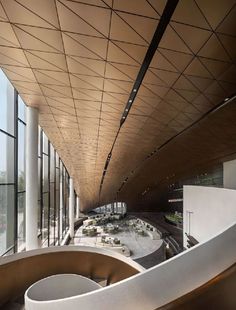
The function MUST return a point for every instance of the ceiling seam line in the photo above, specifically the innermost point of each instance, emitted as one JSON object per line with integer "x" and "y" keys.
{"x": 158, "y": 34}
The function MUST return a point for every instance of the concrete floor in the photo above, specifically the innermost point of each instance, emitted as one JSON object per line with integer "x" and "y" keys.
{"x": 157, "y": 219}
{"x": 139, "y": 246}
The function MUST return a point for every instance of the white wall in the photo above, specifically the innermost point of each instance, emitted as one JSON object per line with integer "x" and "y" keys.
{"x": 212, "y": 209}
{"x": 59, "y": 286}
{"x": 229, "y": 174}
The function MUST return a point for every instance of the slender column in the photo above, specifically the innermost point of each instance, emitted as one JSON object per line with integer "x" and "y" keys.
{"x": 61, "y": 204}
{"x": 71, "y": 209}
{"x": 77, "y": 207}
{"x": 229, "y": 174}
{"x": 32, "y": 179}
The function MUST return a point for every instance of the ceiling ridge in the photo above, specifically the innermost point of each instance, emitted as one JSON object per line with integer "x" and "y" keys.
{"x": 159, "y": 32}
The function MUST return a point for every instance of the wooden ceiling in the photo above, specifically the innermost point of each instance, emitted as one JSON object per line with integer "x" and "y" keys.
{"x": 198, "y": 149}
{"x": 77, "y": 61}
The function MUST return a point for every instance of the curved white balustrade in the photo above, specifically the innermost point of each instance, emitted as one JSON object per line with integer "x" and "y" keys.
{"x": 11, "y": 258}
{"x": 154, "y": 287}
{"x": 57, "y": 287}
{"x": 161, "y": 284}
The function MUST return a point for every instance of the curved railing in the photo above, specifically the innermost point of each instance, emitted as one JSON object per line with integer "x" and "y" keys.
{"x": 177, "y": 281}
{"x": 218, "y": 293}
{"x": 19, "y": 271}
{"x": 161, "y": 284}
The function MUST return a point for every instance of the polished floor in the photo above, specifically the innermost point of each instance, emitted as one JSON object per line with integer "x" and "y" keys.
{"x": 157, "y": 219}
{"x": 139, "y": 246}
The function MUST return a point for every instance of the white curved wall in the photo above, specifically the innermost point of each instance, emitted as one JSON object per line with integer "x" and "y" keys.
{"x": 21, "y": 255}
{"x": 162, "y": 284}
{"x": 59, "y": 286}
{"x": 212, "y": 209}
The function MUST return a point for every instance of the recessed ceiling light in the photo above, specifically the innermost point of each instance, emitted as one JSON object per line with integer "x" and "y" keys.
{"x": 123, "y": 117}
{"x": 130, "y": 101}
{"x": 126, "y": 110}
{"x": 135, "y": 90}
{"x": 226, "y": 99}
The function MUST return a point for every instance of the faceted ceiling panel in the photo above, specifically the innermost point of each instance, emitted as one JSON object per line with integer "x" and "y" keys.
{"x": 77, "y": 62}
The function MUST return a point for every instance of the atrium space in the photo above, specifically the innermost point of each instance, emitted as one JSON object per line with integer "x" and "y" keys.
{"x": 117, "y": 154}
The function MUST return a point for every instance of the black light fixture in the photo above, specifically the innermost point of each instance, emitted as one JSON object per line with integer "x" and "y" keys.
{"x": 161, "y": 27}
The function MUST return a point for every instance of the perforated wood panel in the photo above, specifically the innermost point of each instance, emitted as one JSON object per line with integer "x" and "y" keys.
{"x": 77, "y": 62}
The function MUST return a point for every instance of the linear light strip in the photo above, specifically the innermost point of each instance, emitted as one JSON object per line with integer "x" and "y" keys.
{"x": 161, "y": 27}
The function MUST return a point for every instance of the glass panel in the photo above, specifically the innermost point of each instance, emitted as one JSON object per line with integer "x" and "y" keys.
{"x": 75, "y": 205}
{"x": 45, "y": 173}
{"x": 52, "y": 219}
{"x": 39, "y": 178}
{"x": 21, "y": 221}
{"x": 6, "y": 217}
{"x": 57, "y": 223}
{"x": 7, "y": 104}
{"x": 51, "y": 198}
{"x": 45, "y": 217}
{"x": 6, "y": 159}
{"x": 21, "y": 109}
{"x": 67, "y": 198}
{"x": 45, "y": 144}
{"x": 52, "y": 231}
{"x": 57, "y": 160}
{"x": 52, "y": 164}
{"x": 58, "y": 219}
{"x": 57, "y": 179}
{"x": 39, "y": 216}
{"x": 21, "y": 157}
{"x": 39, "y": 141}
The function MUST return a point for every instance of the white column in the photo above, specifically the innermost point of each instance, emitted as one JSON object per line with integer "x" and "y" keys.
{"x": 71, "y": 209}
{"x": 31, "y": 179}
{"x": 229, "y": 173}
{"x": 77, "y": 207}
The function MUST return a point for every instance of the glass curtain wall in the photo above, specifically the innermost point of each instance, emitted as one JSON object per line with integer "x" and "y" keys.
{"x": 8, "y": 165}
{"x": 53, "y": 198}
{"x": 65, "y": 207}
{"x": 51, "y": 212}
{"x": 21, "y": 122}
{"x": 114, "y": 207}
